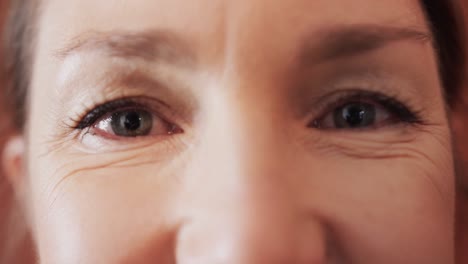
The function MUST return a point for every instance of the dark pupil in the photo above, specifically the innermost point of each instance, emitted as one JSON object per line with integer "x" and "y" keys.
{"x": 131, "y": 123}
{"x": 355, "y": 115}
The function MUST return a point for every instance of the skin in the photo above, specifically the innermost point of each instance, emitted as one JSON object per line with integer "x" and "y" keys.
{"x": 460, "y": 129}
{"x": 244, "y": 178}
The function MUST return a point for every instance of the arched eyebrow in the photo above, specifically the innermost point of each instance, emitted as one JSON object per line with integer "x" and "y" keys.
{"x": 149, "y": 46}
{"x": 347, "y": 41}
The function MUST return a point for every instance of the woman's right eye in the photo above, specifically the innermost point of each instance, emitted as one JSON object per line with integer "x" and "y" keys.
{"x": 130, "y": 123}
{"x": 124, "y": 119}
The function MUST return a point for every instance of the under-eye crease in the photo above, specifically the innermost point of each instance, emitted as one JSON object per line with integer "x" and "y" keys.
{"x": 364, "y": 110}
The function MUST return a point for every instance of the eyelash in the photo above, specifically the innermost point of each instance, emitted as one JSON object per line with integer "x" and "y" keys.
{"x": 94, "y": 113}
{"x": 400, "y": 110}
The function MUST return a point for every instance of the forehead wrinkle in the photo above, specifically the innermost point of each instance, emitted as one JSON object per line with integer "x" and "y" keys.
{"x": 149, "y": 46}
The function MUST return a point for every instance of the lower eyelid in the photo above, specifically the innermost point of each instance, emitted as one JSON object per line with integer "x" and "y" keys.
{"x": 97, "y": 144}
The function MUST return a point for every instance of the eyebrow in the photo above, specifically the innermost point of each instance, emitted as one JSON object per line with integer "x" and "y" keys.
{"x": 150, "y": 46}
{"x": 347, "y": 41}
{"x": 327, "y": 44}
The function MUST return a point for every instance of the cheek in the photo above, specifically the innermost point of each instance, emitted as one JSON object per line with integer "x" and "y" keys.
{"x": 398, "y": 206}
{"x": 108, "y": 208}
{"x": 104, "y": 210}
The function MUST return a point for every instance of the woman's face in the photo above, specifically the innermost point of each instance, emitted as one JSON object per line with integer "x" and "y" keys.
{"x": 243, "y": 131}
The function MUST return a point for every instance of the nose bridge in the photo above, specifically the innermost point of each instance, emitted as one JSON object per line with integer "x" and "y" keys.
{"x": 237, "y": 128}
{"x": 240, "y": 149}
{"x": 238, "y": 205}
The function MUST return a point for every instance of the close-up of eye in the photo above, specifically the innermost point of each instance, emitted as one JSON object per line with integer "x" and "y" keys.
{"x": 125, "y": 119}
{"x": 365, "y": 110}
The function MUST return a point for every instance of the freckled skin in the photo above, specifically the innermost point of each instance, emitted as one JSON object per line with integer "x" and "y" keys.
{"x": 248, "y": 180}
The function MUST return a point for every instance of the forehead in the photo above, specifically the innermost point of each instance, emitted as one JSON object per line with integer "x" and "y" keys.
{"x": 165, "y": 10}
{"x": 210, "y": 24}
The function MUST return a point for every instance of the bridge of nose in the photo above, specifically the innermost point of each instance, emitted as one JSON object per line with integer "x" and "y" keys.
{"x": 238, "y": 204}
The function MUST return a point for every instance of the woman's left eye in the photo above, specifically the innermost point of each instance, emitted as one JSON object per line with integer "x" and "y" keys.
{"x": 355, "y": 115}
{"x": 365, "y": 112}
{"x": 132, "y": 123}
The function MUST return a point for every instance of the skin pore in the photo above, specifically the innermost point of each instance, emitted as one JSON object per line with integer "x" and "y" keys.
{"x": 229, "y": 134}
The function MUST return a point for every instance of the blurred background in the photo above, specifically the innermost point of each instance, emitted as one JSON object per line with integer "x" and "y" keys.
{"x": 15, "y": 244}
{"x": 18, "y": 249}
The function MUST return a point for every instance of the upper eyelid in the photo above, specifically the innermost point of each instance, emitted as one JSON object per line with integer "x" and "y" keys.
{"x": 90, "y": 76}
{"x": 120, "y": 82}
{"x": 149, "y": 104}
{"x": 102, "y": 110}
{"x": 317, "y": 85}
